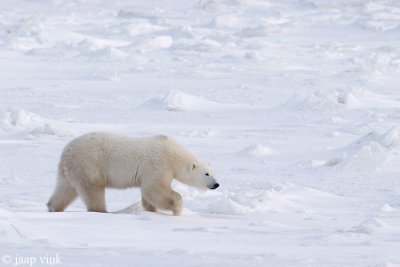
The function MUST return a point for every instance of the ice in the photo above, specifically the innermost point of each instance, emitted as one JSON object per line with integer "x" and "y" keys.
{"x": 176, "y": 100}
{"x": 20, "y": 121}
{"x": 106, "y": 54}
{"x": 179, "y": 101}
{"x": 387, "y": 208}
{"x": 227, "y": 21}
{"x": 159, "y": 42}
{"x": 257, "y": 151}
{"x": 370, "y": 225}
{"x": 370, "y": 152}
{"x": 227, "y": 206}
{"x": 15, "y": 117}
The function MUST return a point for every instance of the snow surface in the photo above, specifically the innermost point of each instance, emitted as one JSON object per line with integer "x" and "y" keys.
{"x": 296, "y": 104}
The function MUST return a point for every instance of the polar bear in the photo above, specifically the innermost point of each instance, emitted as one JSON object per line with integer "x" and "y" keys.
{"x": 94, "y": 161}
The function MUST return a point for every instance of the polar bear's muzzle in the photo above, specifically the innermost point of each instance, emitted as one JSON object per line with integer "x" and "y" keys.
{"x": 212, "y": 184}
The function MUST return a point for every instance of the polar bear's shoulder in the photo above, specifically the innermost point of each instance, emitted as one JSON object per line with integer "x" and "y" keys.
{"x": 166, "y": 141}
{"x": 162, "y": 137}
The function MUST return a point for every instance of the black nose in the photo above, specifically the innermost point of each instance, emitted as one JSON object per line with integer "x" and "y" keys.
{"x": 216, "y": 185}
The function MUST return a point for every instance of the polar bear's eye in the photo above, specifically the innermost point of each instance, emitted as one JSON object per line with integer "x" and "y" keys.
{"x": 207, "y": 174}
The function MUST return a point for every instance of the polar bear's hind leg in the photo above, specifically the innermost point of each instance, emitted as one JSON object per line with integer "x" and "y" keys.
{"x": 63, "y": 195}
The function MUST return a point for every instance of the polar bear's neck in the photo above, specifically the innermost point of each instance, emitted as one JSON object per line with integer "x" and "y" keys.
{"x": 180, "y": 160}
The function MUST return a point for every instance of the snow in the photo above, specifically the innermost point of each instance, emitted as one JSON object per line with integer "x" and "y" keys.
{"x": 295, "y": 104}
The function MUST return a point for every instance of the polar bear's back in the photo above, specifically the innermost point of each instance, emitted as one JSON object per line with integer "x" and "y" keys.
{"x": 112, "y": 144}
{"x": 120, "y": 161}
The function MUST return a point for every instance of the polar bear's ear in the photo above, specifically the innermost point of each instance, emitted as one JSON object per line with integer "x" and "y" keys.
{"x": 193, "y": 166}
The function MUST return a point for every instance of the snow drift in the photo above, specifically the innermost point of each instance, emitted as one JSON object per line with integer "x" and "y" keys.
{"x": 370, "y": 152}
{"x": 29, "y": 124}
{"x": 177, "y": 100}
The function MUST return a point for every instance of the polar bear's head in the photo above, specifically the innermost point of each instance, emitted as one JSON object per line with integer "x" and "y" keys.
{"x": 198, "y": 175}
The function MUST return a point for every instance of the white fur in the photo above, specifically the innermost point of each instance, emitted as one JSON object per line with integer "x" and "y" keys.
{"x": 94, "y": 161}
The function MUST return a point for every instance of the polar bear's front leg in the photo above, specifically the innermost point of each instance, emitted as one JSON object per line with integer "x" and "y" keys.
{"x": 94, "y": 197}
{"x": 147, "y": 206}
{"x": 163, "y": 197}
{"x": 176, "y": 204}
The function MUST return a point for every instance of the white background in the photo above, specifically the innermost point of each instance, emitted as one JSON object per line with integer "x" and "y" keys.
{"x": 295, "y": 103}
